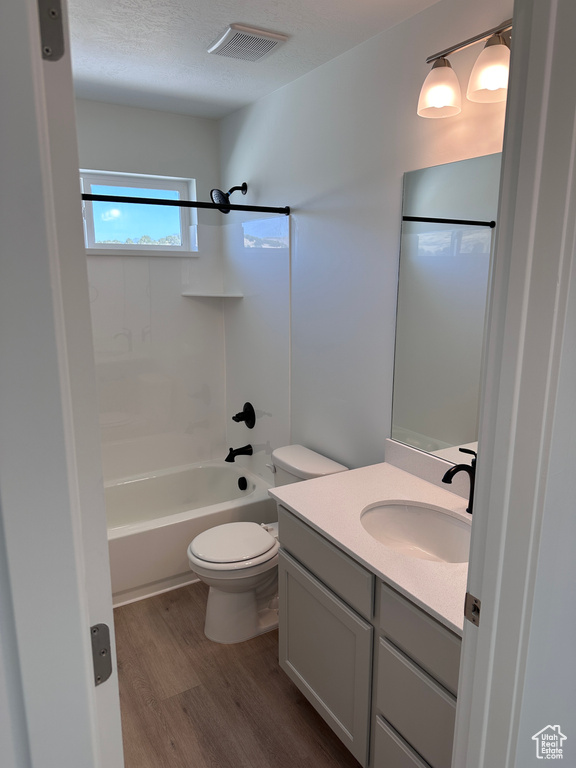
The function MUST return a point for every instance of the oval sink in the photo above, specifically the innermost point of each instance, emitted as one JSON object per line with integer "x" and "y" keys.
{"x": 416, "y": 530}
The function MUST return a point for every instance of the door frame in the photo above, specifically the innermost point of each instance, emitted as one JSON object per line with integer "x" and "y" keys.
{"x": 528, "y": 352}
{"x": 54, "y": 570}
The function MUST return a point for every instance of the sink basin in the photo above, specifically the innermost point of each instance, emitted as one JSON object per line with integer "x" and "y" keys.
{"x": 417, "y": 530}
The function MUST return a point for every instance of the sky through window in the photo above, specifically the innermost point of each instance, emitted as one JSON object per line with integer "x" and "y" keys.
{"x": 133, "y": 223}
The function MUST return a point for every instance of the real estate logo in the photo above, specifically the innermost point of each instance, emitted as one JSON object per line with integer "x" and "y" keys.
{"x": 549, "y": 743}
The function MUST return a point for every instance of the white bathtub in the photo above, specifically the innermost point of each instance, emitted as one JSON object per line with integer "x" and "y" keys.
{"x": 152, "y": 519}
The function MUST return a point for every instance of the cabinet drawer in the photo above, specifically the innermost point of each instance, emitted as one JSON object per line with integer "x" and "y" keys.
{"x": 350, "y": 581}
{"x": 391, "y": 751}
{"x": 432, "y": 646}
{"x": 325, "y": 648}
{"x": 419, "y": 709}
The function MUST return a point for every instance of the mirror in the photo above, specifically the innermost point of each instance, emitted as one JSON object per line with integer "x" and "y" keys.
{"x": 445, "y": 251}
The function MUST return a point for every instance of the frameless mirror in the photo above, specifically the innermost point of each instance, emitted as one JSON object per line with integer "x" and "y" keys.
{"x": 448, "y": 216}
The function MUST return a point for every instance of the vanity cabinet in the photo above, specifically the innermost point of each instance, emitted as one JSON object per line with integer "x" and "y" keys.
{"x": 415, "y": 683}
{"x": 325, "y": 636}
{"x": 380, "y": 671}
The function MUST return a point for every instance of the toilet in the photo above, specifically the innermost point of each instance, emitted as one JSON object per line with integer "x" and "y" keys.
{"x": 238, "y": 561}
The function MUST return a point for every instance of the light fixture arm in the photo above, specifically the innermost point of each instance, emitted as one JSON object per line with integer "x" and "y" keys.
{"x": 496, "y": 39}
{"x": 482, "y": 36}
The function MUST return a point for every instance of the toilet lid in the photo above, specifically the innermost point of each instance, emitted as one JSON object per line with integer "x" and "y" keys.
{"x": 232, "y": 543}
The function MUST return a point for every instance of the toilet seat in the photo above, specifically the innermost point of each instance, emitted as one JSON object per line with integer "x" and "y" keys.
{"x": 232, "y": 546}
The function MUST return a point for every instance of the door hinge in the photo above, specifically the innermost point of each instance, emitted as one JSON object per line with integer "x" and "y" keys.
{"x": 101, "y": 655}
{"x": 51, "y": 29}
{"x": 472, "y": 609}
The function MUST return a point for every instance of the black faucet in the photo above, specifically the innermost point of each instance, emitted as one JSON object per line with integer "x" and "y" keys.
{"x": 247, "y": 415}
{"x": 246, "y": 450}
{"x": 470, "y": 468}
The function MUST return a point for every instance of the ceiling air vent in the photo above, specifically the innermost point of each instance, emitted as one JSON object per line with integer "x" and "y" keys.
{"x": 248, "y": 43}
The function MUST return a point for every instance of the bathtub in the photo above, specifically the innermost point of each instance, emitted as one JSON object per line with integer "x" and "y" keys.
{"x": 152, "y": 518}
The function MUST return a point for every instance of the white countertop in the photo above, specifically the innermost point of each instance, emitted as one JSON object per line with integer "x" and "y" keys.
{"x": 332, "y": 505}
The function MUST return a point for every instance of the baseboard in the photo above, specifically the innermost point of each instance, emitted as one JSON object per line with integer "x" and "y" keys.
{"x": 149, "y": 590}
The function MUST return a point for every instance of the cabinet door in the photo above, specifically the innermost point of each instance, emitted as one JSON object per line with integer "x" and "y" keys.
{"x": 326, "y": 650}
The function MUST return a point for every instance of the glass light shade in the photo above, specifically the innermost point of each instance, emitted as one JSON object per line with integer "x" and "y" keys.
{"x": 489, "y": 79}
{"x": 440, "y": 94}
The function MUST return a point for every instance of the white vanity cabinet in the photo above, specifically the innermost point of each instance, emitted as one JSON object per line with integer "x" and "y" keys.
{"x": 325, "y": 632}
{"x": 415, "y": 683}
{"x": 380, "y": 670}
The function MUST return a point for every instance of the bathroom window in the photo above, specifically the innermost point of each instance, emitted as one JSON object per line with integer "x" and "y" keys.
{"x": 132, "y": 228}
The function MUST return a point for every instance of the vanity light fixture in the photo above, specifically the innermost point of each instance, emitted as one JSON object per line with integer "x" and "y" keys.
{"x": 440, "y": 94}
{"x": 489, "y": 79}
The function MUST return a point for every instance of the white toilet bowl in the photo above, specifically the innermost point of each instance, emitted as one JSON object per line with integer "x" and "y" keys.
{"x": 238, "y": 561}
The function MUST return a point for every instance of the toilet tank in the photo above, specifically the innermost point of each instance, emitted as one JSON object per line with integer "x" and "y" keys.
{"x": 293, "y": 463}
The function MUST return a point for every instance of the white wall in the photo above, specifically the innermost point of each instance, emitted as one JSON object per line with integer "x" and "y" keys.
{"x": 257, "y": 331}
{"x": 159, "y": 356}
{"x": 146, "y": 141}
{"x": 334, "y": 146}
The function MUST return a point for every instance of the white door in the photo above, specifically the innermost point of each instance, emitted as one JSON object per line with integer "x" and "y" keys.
{"x": 517, "y": 669}
{"x": 54, "y": 577}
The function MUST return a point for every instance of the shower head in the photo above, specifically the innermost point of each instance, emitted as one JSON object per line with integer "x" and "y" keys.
{"x": 223, "y": 198}
{"x": 219, "y": 197}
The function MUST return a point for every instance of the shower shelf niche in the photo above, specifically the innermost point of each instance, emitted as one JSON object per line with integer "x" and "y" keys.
{"x": 213, "y": 295}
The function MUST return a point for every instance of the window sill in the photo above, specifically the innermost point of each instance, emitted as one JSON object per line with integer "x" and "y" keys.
{"x": 136, "y": 252}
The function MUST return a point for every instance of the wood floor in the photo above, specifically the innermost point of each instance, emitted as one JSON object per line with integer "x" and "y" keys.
{"x": 187, "y": 702}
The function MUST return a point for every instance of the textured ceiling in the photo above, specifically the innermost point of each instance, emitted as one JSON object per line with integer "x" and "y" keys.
{"x": 152, "y": 53}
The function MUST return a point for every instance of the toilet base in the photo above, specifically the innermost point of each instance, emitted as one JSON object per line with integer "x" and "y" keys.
{"x": 235, "y": 617}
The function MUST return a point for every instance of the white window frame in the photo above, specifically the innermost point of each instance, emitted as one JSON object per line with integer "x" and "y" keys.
{"x": 186, "y": 189}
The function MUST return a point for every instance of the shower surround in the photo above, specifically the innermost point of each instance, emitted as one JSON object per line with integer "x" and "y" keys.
{"x": 172, "y": 369}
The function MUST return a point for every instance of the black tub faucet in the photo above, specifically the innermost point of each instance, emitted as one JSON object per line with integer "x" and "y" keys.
{"x": 246, "y": 450}
{"x": 470, "y": 468}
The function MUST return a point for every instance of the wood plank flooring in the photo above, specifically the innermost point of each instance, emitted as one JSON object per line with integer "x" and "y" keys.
{"x": 187, "y": 702}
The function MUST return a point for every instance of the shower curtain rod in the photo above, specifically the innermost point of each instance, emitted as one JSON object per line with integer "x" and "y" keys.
{"x": 184, "y": 204}
{"x": 429, "y": 220}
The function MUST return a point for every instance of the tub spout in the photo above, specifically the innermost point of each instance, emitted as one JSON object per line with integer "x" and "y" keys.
{"x": 246, "y": 450}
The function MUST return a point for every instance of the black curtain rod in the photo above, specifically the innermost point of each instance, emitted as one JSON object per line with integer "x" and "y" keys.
{"x": 490, "y": 224}
{"x": 183, "y": 203}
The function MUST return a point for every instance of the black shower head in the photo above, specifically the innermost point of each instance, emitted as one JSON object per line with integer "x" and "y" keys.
{"x": 223, "y": 198}
{"x": 219, "y": 198}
